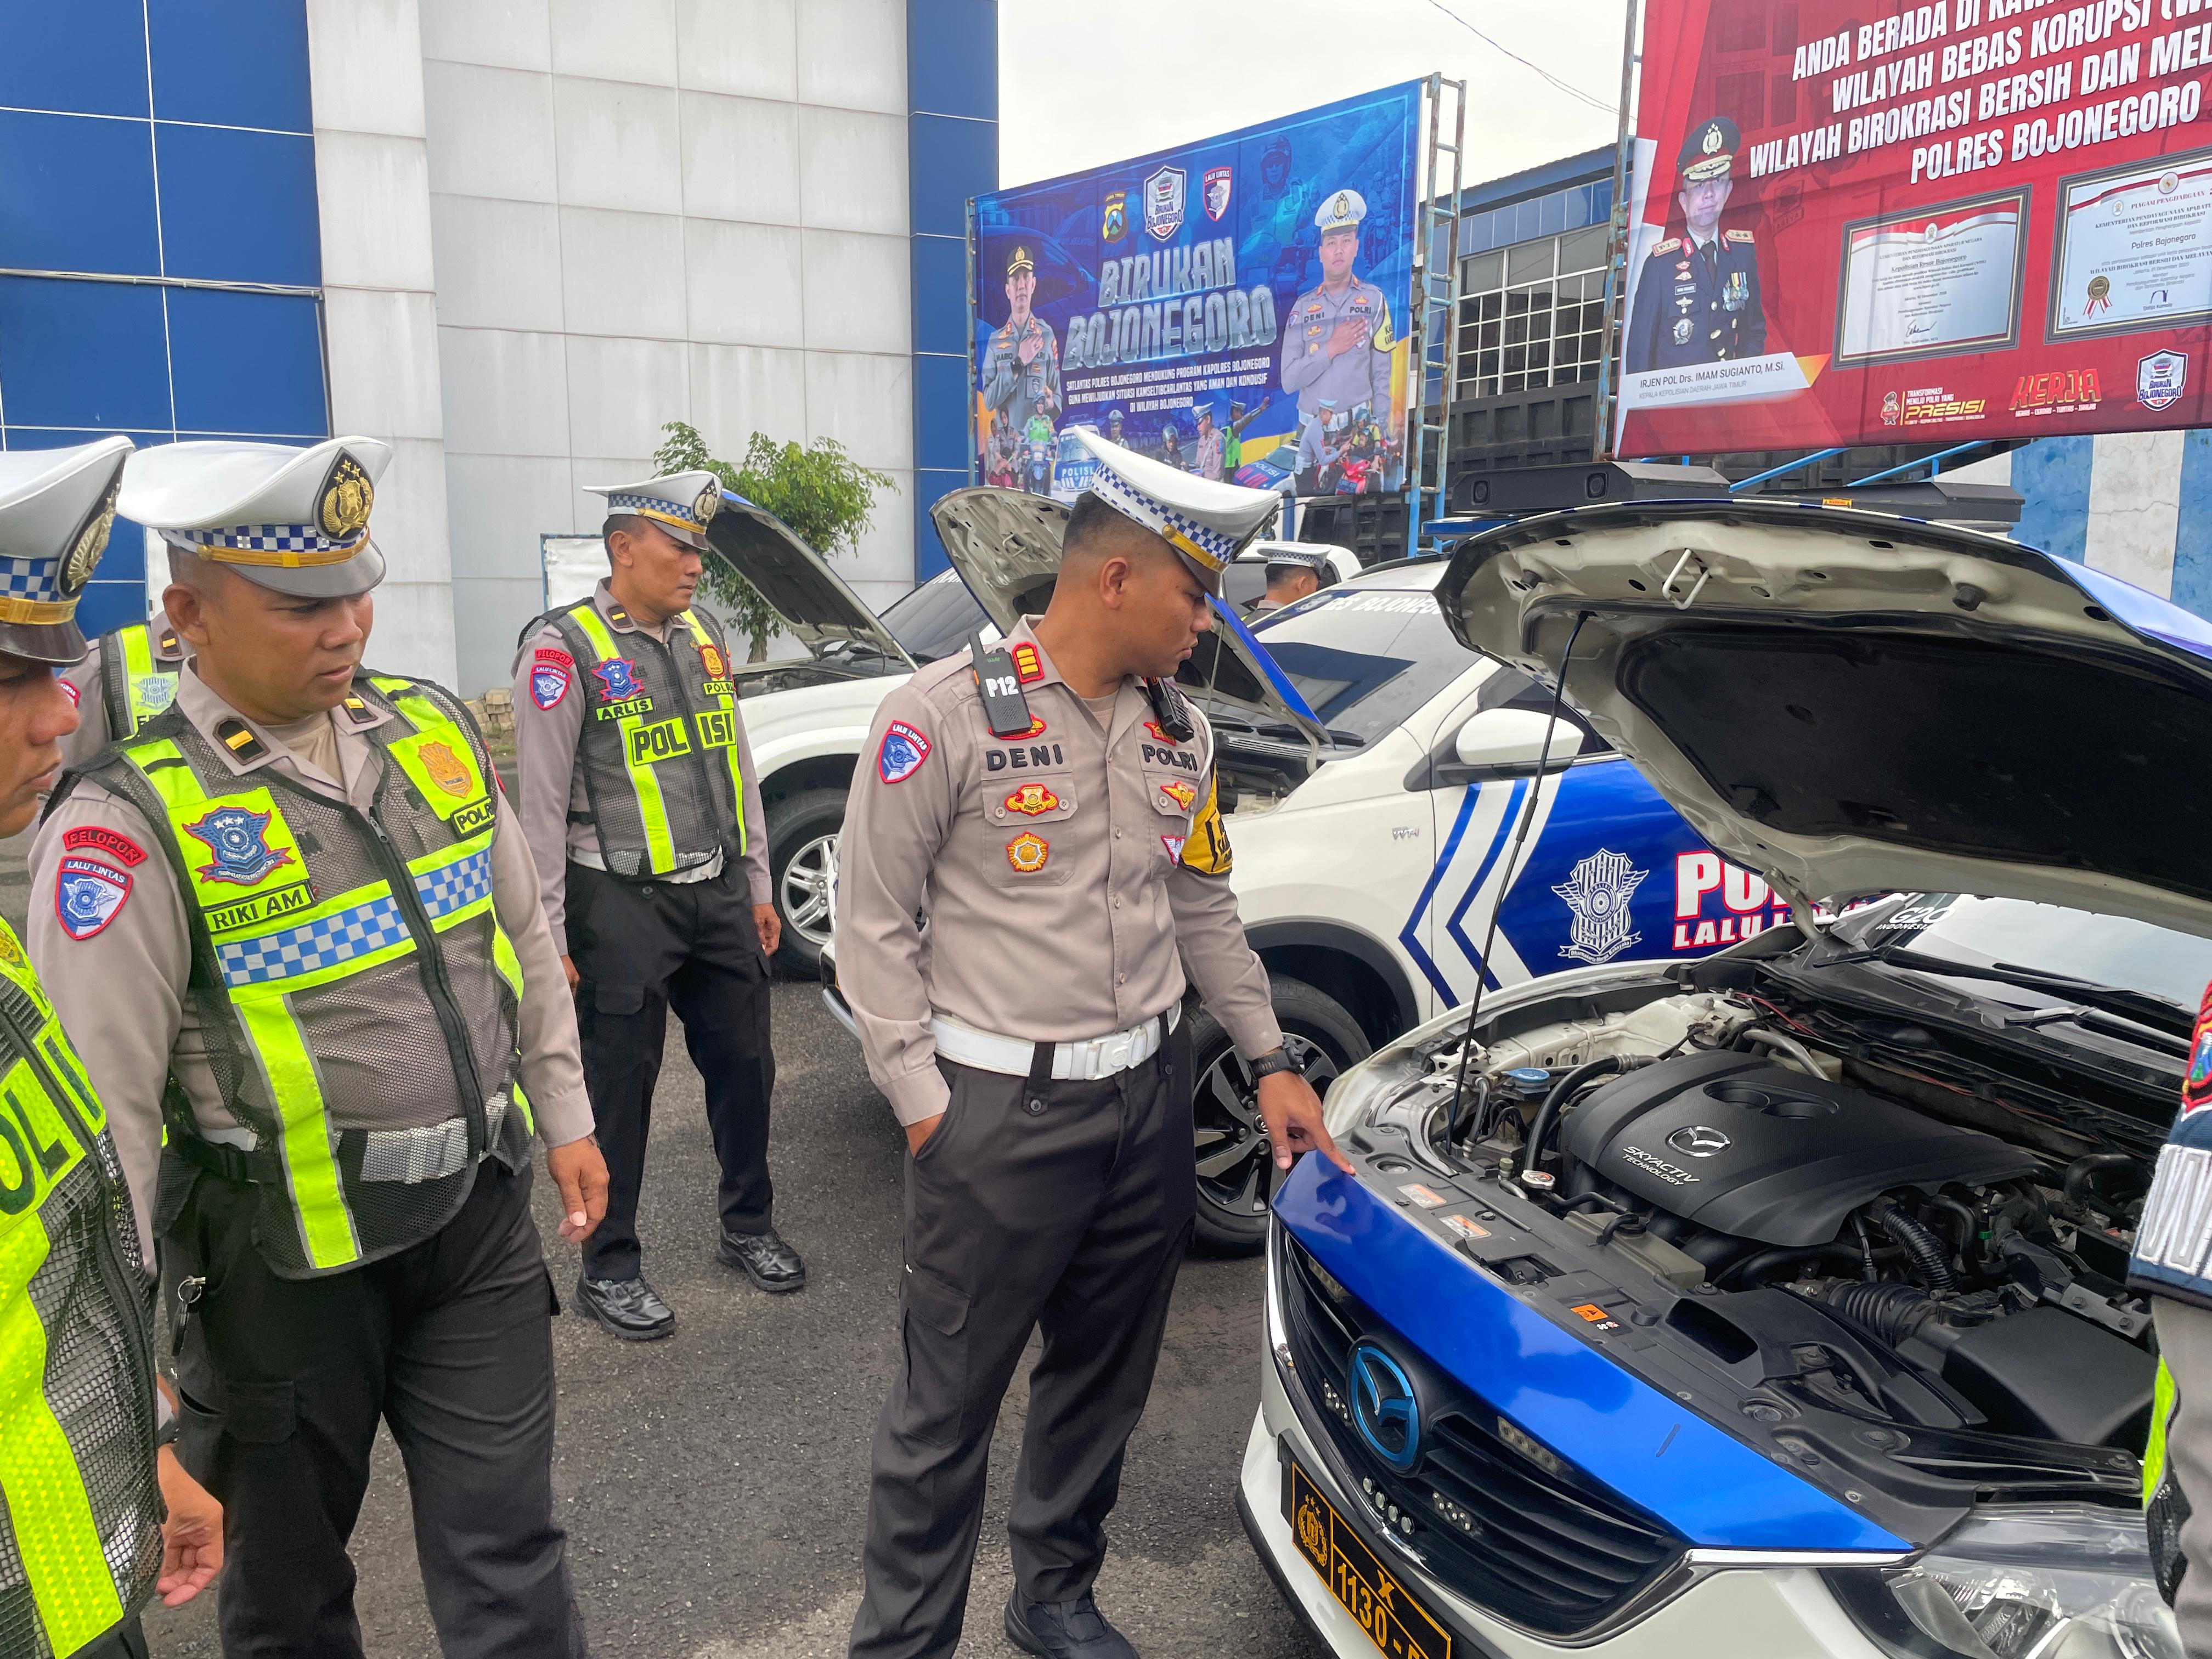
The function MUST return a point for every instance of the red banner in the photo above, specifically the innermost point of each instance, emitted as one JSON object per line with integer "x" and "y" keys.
{"x": 1962, "y": 220}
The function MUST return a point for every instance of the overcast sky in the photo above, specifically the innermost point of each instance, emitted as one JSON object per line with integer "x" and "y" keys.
{"x": 1083, "y": 82}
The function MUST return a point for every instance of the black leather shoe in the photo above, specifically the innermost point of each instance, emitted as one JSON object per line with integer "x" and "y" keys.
{"x": 1064, "y": 1630}
{"x": 630, "y": 1308}
{"x": 772, "y": 1265}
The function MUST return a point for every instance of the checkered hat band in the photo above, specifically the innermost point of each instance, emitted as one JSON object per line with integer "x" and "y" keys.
{"x": 1208, "y": 544}
{"x": 324, "y": 943}
{"x": 653, "y": 506}
{"x": 267, "y": 538}
{"x": 38, "y": 580}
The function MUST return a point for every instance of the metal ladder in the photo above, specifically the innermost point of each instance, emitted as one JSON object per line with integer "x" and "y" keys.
{"x": 1432, "y": 330}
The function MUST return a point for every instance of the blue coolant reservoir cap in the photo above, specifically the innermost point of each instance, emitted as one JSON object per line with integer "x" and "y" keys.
{"x": 1528, "y": 1082}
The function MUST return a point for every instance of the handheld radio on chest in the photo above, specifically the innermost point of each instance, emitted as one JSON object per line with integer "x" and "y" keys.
{"x": 1004, "y": 705}
{"x": 1170, "y": 709}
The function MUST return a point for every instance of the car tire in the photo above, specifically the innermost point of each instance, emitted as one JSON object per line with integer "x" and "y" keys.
{"x": 1235, "y": 1175}
{"x": 802, "y": 861}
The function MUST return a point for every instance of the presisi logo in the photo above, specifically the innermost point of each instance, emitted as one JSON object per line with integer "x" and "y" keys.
{"x": 662, "y": 740}
{"x": 1716, "y": 902}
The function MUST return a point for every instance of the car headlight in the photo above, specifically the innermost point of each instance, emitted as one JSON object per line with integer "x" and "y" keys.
{"x": 2061, "y": 1581}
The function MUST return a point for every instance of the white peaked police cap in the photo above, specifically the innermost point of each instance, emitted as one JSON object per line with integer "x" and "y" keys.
{"x": 289, "y": 519}
{"x": 56, "y": 508}
{"x": 682, "y": 503}
{"x": 1205, "y": 521}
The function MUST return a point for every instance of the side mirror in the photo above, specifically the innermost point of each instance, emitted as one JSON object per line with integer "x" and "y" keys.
{"x": 1515, "y": 736}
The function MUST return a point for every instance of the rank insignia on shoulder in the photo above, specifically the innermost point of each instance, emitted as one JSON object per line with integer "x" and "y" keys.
{"x": 235, "y": 735}
{"x": 167, "y": 646}
{"x": 618, "y": 616}
{"x": 88, "y": 894}
{"x": 1028, "y": 851}
{"x": 1027, "y": 668}
{"x": 1736, "y": 236}
{"x": 358, "y": 711}
{"x": 902, "y": 752}
{"x": 1667, "y": 246}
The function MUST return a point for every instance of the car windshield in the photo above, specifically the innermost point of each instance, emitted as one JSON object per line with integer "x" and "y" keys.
{"x": 2048, "y": 938}
{"x": 935, "y": 619}
{"x": 1365, "y": 657}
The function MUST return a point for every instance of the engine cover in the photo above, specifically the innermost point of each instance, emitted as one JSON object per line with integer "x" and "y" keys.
{"x": 1738, "y": 1144}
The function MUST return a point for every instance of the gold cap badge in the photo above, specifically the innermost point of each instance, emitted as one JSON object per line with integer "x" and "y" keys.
{"x": 347, "y": 497}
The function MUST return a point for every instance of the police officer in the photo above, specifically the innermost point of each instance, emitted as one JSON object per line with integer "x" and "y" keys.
{"x": 644, "y": 817}
{"x": 293, "y": 923}
{"x": 1021, "y": 363}
{"x": 2174, "y": 1261}
{"x": 85, "y": 1458}
{"x": 129, "y": 677}
{"x": 1337, "y": 344}
{"x": 1317, "y": 455}
{"x": 1292, "y": 573}
{"x": 1232, "y": 439}
{"x": 1053, "y": 814}
{"x": 1697, "y": 299}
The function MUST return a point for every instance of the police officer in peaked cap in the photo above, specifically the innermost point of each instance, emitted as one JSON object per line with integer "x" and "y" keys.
{"x": 1051, "y": 810}
{"x": 88, "y": 1466}
{"x": 643, "y": 812}
{"x": 1337, "y": 342}
{"x": 1293, "y": 573}
{"x": 295, "y": 930}
{"x": 1697, "y": 299}
{"x": 1020, "y": 378}
{"x": 128, "y": 676}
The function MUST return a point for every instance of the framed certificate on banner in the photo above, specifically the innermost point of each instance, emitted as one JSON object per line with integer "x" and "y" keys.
{"x": 2134, "y": 248}
{"x": 1934, "y": 281}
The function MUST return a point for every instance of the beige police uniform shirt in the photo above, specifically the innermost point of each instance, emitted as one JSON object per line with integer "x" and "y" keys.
{"x": 121, "y": 992}
{"x": 82, "y": 679}
{"x": 1050, "y": 869}
{"x": 552, "y": 798}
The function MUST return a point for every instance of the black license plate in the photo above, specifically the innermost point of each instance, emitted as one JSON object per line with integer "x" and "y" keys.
{"x": 1394, "y": 1620}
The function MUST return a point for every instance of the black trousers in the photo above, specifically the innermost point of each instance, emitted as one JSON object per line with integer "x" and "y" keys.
{"x": 126, "y": 1641}
{"x": 641, "y": 948}
{"x": 1064, "y": 1206}
{"x": 283, "y": 1381}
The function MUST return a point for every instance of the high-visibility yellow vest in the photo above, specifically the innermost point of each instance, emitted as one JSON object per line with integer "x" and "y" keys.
{"x": 357, "y": 997}
{"x": 80, "y": 1532}
{"x": 658, "y": 752}
{"x": 138, "y": 669}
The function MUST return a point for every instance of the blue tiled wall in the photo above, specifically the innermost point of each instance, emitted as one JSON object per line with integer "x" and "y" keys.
{"x": 952, "y": 136}
{"x": 156, "y": 139}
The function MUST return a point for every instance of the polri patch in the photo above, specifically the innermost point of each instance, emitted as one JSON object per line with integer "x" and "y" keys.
{"x": 99, "y": 838}
{"x": 1028, "y": 851}
{"x": 88, "y": 894}
{"x": 902, "y": 752}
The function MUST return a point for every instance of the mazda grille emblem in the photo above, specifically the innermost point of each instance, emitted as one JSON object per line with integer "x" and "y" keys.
{"x": 1383, "y": 1409}
{"x": 1698, "y": 1141}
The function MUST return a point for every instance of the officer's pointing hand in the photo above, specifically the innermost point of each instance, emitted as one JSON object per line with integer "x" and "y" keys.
{"x": 580, "y": 1173}
{"x": 1291, "y": 1111}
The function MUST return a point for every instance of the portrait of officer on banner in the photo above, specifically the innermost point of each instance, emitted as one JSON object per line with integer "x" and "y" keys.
{"x": 1339, "y": 347}
{"x": 1019, "y": 380}
{"x": 1697, "y": 300}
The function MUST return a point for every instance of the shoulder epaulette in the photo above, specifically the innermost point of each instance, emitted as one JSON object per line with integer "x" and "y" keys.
{"x": 619, "y": 617}
{"x": 167, "y": 645}
{"x": 1667, "y": 246}
{"x": 235, "y": 735}
{"x": 357, "y": 710}
{"x": 1738, "y": 235}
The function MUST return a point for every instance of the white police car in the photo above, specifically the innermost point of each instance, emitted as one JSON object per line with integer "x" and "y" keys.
{"x": 1375, "y": 769}
{"x": 1775, "y": 1303}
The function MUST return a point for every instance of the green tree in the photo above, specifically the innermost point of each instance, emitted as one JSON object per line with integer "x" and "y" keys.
{"x": 826, "y": 497}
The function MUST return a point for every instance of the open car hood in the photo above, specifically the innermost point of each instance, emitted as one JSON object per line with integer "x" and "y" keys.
{"x": 798, "y": 583}
{"x": 1850, "y": 702}
{"x": 1005, "y": 545}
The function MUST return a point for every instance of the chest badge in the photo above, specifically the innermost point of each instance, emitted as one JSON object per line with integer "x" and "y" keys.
{"x": 1154, "y": 727}
{"x": 618, "y": 679}
{"x": 240, "y": 841}
{"x": 1030, "y": 799}
{"x": 446, "y": 769}
{"x": 1180, "y": 792}
{"x": 716, "y": 663}
{"x": 1027, "y": 851}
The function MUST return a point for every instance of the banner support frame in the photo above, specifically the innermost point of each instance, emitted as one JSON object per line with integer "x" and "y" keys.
{"x": 1616, "y": 268}
{"x": 1424, "y": 300}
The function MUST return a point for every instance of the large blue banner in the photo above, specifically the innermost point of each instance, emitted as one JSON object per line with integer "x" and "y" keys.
{"x": 1235, "y": 308}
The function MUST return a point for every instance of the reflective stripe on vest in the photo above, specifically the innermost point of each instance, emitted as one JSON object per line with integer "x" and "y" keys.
{"x": 646, "y": 743}
{"x": 271, "y": 942}
{"x": 56, "y": 1179}
{"x": 135, "y": 685}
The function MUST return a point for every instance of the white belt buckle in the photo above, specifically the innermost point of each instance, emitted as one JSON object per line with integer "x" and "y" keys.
{"x": 1114, "y": 1054}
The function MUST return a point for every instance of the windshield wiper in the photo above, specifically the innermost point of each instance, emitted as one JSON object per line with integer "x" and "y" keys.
{"x": 2154, "y": 1011}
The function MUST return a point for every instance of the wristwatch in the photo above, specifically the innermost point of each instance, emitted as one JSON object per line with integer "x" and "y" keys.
{"x": 1275, "y": 1061}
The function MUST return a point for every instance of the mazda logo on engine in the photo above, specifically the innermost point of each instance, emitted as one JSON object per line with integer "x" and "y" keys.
{"x": 1698, "y": 1141}
{"x": 1383, "y": 1409}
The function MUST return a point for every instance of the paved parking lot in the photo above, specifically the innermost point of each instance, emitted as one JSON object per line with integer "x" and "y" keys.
{"x": 713, "y": 1484}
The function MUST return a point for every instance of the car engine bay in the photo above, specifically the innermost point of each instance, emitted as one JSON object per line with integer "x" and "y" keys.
{"x": 1900, "y": 1256}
